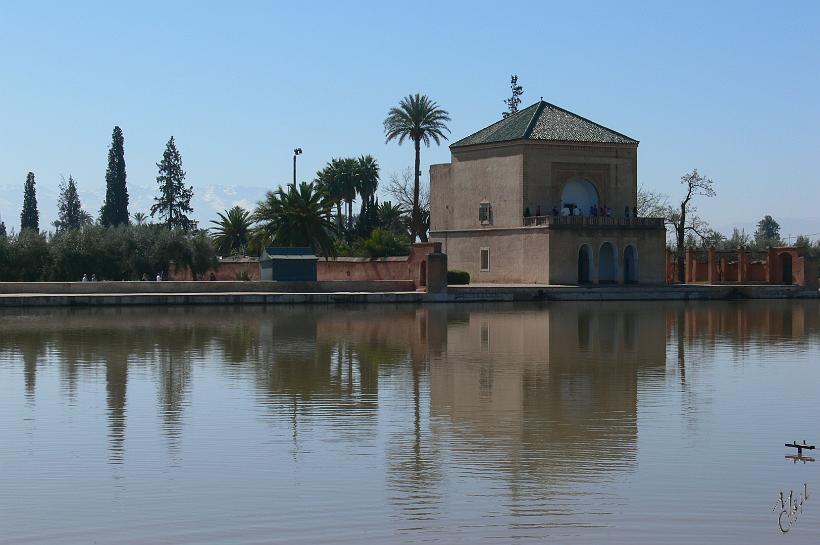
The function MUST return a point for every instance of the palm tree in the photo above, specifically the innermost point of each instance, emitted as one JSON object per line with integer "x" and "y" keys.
{"x": 232, "y": 231}
{"x": 337, "y": 181}
{"x": 348, "y": 183}
{"x": 140, "y": 218}
{"x": 419, "y": 119}
{"x": 367, "y": 180}
{"x": 324, "y": 182}
{"x": 299, "y": 216}
{"x": 391, "y": 217}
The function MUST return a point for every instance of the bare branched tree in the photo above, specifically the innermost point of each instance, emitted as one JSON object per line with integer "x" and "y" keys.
{"x": 400, "y": 188}
{"x": 652, "y": 204}
{"x": 684, "y": 219}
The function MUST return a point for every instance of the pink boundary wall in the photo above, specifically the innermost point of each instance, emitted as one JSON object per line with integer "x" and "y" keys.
{"x": 226, "y": 270}
{"x": 413, "y": 267}
{"x": 713, "y": 267}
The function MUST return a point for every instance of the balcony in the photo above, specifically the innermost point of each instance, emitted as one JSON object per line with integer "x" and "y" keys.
{"x": 600, "y": 222}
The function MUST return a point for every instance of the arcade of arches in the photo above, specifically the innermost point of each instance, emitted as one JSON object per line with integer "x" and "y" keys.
{"x": 604, "y": 266}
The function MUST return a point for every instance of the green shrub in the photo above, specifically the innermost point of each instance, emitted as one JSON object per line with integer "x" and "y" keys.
{"x": 242, "y": 276}
{"x": 125, "y": 252}
{"x": 458, "y": 278}
{"x": 29, "y": 256}
{"x": 383, "y": 243}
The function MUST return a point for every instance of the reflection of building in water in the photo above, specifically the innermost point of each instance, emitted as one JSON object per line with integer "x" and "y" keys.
{"x": 554, "y": 388}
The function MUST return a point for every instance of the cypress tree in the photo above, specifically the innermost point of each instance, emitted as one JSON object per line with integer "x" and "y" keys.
{"x": 114, "y": 210}
{"x": 2, "y": 228}
{"x": 70, "y": 211}
{"x": 174, "y": 202}
{"x": 30, "y": 217}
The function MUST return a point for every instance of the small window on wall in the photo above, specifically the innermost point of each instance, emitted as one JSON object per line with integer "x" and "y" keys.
{"x": 484, "y": 259}
{"x": 485, "y": 213}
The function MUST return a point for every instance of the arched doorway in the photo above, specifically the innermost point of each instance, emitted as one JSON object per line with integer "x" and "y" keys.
{"x": 607, "y": 270}
{"x": 786, "y": 268}
{"x": 580, "y": 193}
{"x": 630, "y": 265}
{"x": 584, "y": 260}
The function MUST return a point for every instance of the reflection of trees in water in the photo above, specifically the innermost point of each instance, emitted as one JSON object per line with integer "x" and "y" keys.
{"x": 31, "y": 352}
{"x": 329, "y": 363}
{"x": 744, "y": 329}
{"x": 414, "y": 459}
{"x": 116, "y": 384}
{"x": 533, "y": 398}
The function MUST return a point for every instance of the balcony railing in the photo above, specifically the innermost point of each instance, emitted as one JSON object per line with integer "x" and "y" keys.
{"x": 591, "y": 221}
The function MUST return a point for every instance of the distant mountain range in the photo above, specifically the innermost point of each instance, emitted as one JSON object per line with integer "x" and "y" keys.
{"x": 206, "y": 203}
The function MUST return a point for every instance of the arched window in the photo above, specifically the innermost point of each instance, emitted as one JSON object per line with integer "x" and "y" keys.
{"x": 581, "y": 194}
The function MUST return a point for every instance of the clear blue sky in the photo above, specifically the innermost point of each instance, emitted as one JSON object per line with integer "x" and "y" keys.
{"x": 731, "y": 89}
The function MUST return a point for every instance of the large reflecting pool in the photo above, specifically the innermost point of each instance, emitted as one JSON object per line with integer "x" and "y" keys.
{"x": 544, "y": 423}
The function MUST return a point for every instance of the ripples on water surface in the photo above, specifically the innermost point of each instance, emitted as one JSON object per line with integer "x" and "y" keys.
{"x": 616, "y": 422}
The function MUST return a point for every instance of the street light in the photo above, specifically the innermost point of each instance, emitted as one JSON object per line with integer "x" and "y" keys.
{"x": 297, "y": 151}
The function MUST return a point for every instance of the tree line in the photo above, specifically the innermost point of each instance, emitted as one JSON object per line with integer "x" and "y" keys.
{"x": 319, "y": 214}
{"x": 172, "y": 205}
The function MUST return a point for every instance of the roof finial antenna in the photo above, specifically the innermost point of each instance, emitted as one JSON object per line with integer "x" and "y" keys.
{"x": 542, "y": 99}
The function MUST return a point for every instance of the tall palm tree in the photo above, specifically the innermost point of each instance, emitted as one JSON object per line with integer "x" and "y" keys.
{"x": 232, "y": 231}
{"x": 338, "y": 182}
{"x": 326, "y": 183}
{"x": 348, "y": 182}
{"x": 140, "y": 218}
{"x": 299, "y": 216}
{"x": 419, "y": 119}
{"x": 367, "y": 180}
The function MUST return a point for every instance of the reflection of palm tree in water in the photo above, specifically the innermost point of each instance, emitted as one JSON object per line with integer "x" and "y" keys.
{"x": 415, "y": 468}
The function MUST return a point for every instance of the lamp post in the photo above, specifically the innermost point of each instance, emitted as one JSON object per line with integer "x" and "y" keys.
{"x": 297, "y": 151}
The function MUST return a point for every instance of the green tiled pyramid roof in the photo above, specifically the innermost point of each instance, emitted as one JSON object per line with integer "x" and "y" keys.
{"x": 545, "y": 121}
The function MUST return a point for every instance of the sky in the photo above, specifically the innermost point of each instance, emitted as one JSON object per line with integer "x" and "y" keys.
{"x": 729, "y": 88}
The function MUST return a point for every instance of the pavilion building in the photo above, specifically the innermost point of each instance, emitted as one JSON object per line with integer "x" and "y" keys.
{"x": 545, "y": 196}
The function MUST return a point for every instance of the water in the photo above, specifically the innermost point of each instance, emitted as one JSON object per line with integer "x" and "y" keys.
{"x": 582, "y": 422}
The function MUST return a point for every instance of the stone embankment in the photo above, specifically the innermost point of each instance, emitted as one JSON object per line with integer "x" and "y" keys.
{"x": 23, "y": 294}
